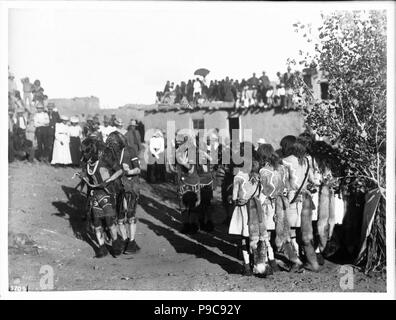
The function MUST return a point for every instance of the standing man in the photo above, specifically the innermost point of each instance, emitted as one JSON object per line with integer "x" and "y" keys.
{"x": 54, "y": 118}
{"x": 253, "y": 84}
{"x": 288, "y": 80}
{"x": 265, "y": 85}
{"x": 41, "y": 123}
{"x": 133, "y": 137}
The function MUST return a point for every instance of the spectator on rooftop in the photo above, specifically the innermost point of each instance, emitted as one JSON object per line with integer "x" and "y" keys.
{"x": 197, "y": 89}
{"x": 167, "y": 87}
{"x": 190, "y": 91}
{"x": 228, "y": 96}
{"x": 265, "y": 85}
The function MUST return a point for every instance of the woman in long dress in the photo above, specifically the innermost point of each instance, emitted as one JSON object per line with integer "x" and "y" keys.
{"x": 61, "y": 152}
{"x": 75, "y": 131}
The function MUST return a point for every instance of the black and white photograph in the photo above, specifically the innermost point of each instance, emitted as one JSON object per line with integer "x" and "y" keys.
{"x": 197, "y": 148}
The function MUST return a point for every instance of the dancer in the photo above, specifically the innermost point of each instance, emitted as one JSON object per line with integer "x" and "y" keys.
{"x": 128, "y": 197}
{"x": 244, "y": 190}
{"x": 100, "y": 173}
{"x": 299, "y": 213}
{"x": 273, "y": 181}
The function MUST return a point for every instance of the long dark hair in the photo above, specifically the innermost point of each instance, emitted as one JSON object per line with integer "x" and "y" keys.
{"x": 267, "y": 154}
{"x": 299, "y": 151}
{"x": 115, "y": 142}
{"x": 325, "y": 156}
{"x": 286, "y": 143}
{"x": 90, "y": 148}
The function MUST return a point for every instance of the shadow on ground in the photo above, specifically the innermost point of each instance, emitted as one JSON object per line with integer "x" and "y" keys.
{"x": 170, "y": 217}
{"x": 73, "y": 209}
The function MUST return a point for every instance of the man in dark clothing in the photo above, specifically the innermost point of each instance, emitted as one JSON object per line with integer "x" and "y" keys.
{"x": 133, "y": 137}
{"x": 190, "y": 91}
{"x": 54, "y": 118}
{"x": 140, "y": 129}
{"x": 41, "y": 123}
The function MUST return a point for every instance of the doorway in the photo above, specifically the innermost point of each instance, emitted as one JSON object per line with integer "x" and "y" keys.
{"x": 234, "y": 124}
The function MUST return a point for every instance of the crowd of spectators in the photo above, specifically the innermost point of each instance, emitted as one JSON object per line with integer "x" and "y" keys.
{"x": 37, "y": 132}
{"x": 254, "y": 91}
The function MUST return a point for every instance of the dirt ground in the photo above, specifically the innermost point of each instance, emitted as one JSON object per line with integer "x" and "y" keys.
{"x": 46, "y": 229}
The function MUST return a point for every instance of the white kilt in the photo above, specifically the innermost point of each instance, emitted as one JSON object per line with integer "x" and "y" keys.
{"x": 239, "y": 222}
{"x": 293, "y": 214}
{"x": 338, "y": 210}
{"x": 315, "y": 200}
{"x": 269, "y": 213}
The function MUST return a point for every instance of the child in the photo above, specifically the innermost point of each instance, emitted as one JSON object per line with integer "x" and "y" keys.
{"x": 299, "y": 212}
{"x": 244, "y": 190}
{"x": 273, "y": 181}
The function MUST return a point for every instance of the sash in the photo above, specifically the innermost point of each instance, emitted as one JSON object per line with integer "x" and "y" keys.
{"x": 302, "y": 184}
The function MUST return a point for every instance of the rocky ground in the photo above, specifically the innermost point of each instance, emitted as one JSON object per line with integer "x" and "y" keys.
{"x": 46, "y": 233}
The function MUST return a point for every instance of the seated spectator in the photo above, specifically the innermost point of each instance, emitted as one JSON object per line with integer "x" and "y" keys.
{"x": 30, "y": 134}
{"x": 282, "y": 95}
{"x": 19, "y": 102}
{"x": 23, "y": 148}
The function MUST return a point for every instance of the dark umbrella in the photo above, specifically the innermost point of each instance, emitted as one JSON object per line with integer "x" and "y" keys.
{"x": 201, "y": 72}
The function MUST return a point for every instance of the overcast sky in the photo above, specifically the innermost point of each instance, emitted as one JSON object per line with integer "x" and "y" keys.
{"x": 126, "y": 54}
